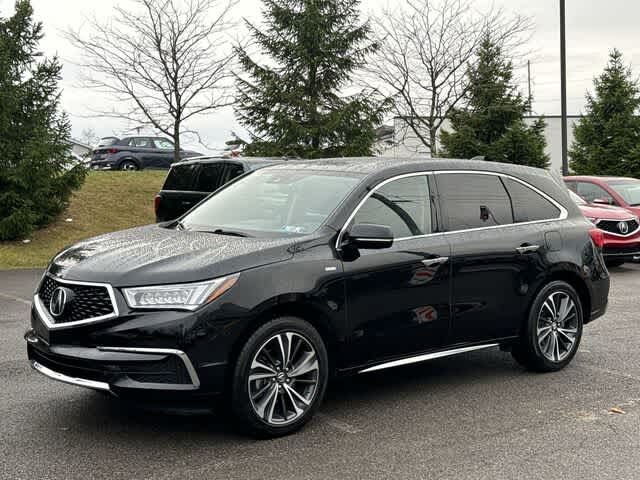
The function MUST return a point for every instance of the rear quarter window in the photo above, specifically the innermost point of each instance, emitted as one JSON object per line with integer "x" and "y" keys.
{"x": 181, "y": 177}
{"x": 529, "y": 205}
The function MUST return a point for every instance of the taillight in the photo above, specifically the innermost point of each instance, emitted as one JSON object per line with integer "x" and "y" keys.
{"x": 111, "y": 151}
{"x": 597, "y": 236}
{"x": 156, "y": 204}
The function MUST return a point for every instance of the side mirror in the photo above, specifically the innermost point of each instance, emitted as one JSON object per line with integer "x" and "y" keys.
{"x": 603, "y": 201}
{"x": 369, "y": 236}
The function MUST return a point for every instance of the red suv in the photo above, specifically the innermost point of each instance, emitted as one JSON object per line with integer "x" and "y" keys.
{"x": 619, "y": 191}
{"x": 620, "y": 230}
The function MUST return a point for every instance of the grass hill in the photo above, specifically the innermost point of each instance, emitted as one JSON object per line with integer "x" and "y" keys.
{"x": 106, "y": 202}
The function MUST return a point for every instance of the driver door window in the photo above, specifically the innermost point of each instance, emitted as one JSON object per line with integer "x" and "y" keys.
{"x": 402, "y": 205}
{"x": 591, "y": 192}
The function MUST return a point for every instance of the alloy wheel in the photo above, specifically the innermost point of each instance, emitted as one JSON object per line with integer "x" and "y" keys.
{"x": 557, "y": 327}
{"x": 283, "y": 378}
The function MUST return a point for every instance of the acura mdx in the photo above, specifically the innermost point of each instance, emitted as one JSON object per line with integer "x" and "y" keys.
{"x": 300, "y": 271}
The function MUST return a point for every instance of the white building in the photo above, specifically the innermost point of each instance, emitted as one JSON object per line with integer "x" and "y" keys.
{"x": 79, "y": 148}
{"x": 407, "y": 144}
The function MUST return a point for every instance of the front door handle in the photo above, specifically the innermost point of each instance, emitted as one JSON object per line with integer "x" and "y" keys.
{"x": 524, "y": 249}
{"x": 435, "y": 261}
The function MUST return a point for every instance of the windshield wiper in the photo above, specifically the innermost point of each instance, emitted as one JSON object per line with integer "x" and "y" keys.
{"x": 231, "y": 233}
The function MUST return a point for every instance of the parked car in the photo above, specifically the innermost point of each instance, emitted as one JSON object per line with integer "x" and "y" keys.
{"x": 302, "y": 270}
{"x": 190, "y": 181}
{"x": 136, "y": 153}
{"x": 618, "y": 191}
{"x": 620, "y": 227}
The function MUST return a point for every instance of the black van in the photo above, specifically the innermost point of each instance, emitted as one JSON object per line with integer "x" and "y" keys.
{"x": 189, "y": 182}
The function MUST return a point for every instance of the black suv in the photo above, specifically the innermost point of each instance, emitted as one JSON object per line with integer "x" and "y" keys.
{"x": 303, "y": 270}
{"x": 136, "y": 153}
{"x": 190, "y": 181}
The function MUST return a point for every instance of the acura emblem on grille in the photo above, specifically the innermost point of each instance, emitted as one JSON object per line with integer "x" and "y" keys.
{"x": 623, "y": 227}
{"x": 58, "y": 302}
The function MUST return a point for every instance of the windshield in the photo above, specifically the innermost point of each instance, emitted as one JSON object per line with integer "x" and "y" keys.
{"x": 273, "y": 201}
{"x": 577, "y": 198}
{"x": 627, "y": 189}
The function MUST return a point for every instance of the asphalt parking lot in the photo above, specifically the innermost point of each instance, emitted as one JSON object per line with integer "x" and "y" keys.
{"x": 469, "y": 417}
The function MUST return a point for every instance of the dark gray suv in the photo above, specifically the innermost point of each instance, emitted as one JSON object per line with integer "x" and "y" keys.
{"x": 136, "y": 153}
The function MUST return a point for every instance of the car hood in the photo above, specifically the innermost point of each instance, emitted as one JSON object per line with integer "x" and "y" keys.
{"x": 606, "y": 212}
{"x": 155, "y": 255}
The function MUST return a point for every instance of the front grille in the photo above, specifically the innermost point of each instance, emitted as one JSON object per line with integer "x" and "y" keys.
{"x": 613, "y": 226}
{"x": 84, "y": 303}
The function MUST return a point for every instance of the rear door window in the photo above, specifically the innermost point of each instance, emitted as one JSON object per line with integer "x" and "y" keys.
{"x": 210, "y": 176}
{"x": 473, "y": 200}
{"x": 529, "y": 205}
{"x": 402, "y": 205}
{"x": 141, "y": 142}
{"x": 181, "y": 177}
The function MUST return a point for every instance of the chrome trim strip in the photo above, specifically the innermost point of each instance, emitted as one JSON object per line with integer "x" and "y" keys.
{"x": 195, "y": 380}
{"x": 426, "y": 356}
{"x": 49, "y": 322}
{"x": 563, "y": 211}
{"x": 60, "y": 377}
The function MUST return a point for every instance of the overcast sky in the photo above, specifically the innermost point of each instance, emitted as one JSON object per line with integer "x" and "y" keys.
{"x": 593, "y": 28}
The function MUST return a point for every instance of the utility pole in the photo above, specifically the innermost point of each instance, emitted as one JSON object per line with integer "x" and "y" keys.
{"x": 563, "y": 87}
{"x": 529, "y": 82}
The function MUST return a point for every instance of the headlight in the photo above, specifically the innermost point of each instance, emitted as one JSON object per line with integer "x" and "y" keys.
{"x": 184, "y": 296}
{"x": 593, "y": 220}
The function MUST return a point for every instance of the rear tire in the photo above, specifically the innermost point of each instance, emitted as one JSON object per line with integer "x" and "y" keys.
{"x": 551, "y": 336}
{"x": 129, "y": 165}
{"x": 280, "y": 378}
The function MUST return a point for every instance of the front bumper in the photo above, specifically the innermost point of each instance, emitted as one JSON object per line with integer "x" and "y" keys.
{"x": 176, "y": 354}
{"x": 626, "y": 253}
{"x": 113, "y": 369}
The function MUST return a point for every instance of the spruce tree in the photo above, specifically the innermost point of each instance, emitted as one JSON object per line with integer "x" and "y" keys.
{"x": 35, "y": 175}
{"x": 607, "y": 138}
{"x": 292, "y": 103}
{"x": 491, "y": 124}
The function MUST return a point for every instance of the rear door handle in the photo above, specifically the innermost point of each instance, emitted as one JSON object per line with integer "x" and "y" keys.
{"x": 524, "y": 249}
{"x": 186, "y": 202}
{"x": 435, "y": 261}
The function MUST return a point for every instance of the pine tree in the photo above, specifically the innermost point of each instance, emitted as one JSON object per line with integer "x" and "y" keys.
{"x": 292, "y": 104}
{"x": 491, "y": 124}
{"x": 35, "y": 179}
{"x": 607, "y": 138}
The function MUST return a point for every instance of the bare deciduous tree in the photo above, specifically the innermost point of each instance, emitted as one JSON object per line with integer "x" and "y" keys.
{"x": 89, "y": 137}
{"x": 426, "y": 49}
{"x": 163, "y": 61}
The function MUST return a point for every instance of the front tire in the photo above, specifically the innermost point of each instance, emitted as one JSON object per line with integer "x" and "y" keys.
{"x": 280, "y": 377}
{"x": 552, "y": 334}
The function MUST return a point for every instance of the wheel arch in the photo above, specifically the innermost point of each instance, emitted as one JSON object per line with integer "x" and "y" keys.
{"x": 291, "y": 307}
{"x": 579, "y": 285}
